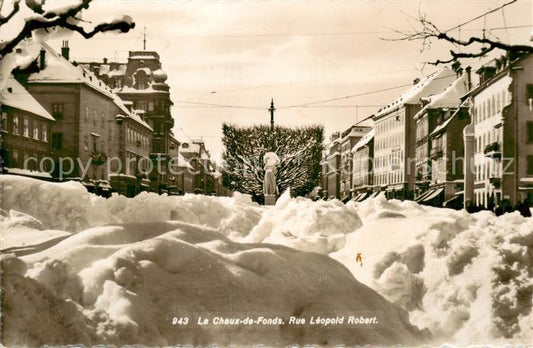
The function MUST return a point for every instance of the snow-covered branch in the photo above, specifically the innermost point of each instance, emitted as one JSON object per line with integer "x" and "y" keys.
{"x": 66, "y": 17}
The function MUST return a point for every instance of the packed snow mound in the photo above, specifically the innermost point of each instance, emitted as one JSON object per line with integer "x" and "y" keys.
{"x": 68, "y": 206}
{"x": 306, "y": 225}
{"x": 467, "y": 278}
{"x": 126, "y": 283}
{"x": 24, "y": 232}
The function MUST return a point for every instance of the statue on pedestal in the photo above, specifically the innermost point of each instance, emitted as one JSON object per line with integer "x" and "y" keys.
{"x": 270, "y": 188}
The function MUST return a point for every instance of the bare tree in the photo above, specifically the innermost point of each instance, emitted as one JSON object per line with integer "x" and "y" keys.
{"x": 426, "y": 31}
{"x": 67, "y": 17}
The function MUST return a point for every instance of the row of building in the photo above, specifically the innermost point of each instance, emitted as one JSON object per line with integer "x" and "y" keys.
{"x": 105, "y": 124}
{"x": 444, "y": 141}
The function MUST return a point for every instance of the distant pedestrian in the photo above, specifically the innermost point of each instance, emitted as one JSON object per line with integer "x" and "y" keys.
{"x": 523, "y": 208}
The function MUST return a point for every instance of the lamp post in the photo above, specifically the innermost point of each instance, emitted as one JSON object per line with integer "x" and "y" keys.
{"x": 271, "y": 131}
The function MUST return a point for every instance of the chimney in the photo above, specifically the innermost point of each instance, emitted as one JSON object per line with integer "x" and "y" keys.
{"x": 415, "y": 81}
{"x": 42, "y": 59}
{"x": 105, "y": 60}
{"x": 65, "y": 50}
{"x": 456, "y": 66}
{"x": 468, "y": 78}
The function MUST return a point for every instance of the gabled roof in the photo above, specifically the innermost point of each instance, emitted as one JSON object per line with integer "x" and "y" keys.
{"x": 449, "y": 98}
{"x": 444, "y": 124}
{"x": 59, "y": 70}
{"x": 16, "y": 96}
{"x": 431, "y": 84}
{"x": 130, "y": 114}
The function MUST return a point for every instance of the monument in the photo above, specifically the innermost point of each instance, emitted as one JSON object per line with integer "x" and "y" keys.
{"x": 270, "y": 188}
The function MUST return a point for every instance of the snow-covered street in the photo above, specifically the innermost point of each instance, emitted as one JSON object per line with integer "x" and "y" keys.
{"x": 78, "y": 268}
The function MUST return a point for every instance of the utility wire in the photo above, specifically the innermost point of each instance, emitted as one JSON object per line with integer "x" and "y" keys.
{"x": 481, "y": 15}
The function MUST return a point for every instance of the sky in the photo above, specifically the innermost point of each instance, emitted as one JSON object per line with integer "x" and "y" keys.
{"x": 243, "y": 53}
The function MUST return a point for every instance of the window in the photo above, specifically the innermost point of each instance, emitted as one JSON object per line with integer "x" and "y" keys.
{"x": 529, "y": 96}
{"x": 141, "y": 105}
{"x": 36, "y": 129}
{"x": 44, "y": 133}
{"x": 530, "y": 165}
{"x": 57, "y": 140}
{"x": 26, "y": 132}
{"x": 57, "y": 111}
{"x": 16, "y": 125}
{"x": 530, "y": 131}
{"x": 87, "y": 114}
{"x": 103, "y": 119}
{"x": 94, "y": 117}
{"x": 4, "y": 122}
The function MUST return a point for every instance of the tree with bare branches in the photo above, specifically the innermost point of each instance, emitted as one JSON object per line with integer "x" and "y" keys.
{"x": 426, "y": 31}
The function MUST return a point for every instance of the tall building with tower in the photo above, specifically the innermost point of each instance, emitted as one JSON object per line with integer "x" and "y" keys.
{"x": 142, "y": 81}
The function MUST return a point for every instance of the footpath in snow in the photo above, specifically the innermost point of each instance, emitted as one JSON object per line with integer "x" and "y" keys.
{"x": 77, "y": 268}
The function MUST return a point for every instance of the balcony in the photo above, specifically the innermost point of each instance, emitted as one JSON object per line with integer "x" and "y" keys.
{"x": 98, "y": 158}
{"x": 436, "y": 152}
{"x": 493, "y": 151}
{"x": 496, "y": 181}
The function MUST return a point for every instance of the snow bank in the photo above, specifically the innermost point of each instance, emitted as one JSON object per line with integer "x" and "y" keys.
{"x": 124, "y": 284}
{"x": 68, "y": 206}
{"x": 306, "y": 225}
{"x": 467, "y": 278}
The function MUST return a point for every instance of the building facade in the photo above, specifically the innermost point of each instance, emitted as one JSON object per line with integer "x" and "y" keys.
{"x": 502, "y": 115}
{"x": 142, "y": 82}
{"x": 439, "y": 144}
{"x": 395, "y": 136}
{"x": 25, "y": 132}
{"x": 332, "y": 167}
{"x": 363, "y": 172}
{"x": 94, "y": 133}
{"x": 347, "y": 141}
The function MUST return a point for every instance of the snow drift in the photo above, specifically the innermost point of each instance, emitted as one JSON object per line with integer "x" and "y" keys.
{"x": 123, "y": 283}
{"x": 99, "y": 268}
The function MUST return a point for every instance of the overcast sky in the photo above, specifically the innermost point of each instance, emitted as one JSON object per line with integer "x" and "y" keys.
{"x": 243, "y": 53}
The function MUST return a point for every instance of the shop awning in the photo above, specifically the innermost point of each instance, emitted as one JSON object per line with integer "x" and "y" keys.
{"x": 374, "y": 194}
{"x": 455, "y": 202}
{"x": 363, "y": 196}
{"x": 424, "y": 195}
{"x": 435, "y": 194}
{"x": 356, "y": 197}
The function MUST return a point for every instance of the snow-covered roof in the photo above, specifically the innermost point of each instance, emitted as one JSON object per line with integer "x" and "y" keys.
{"x": 105, "y": 69}
{"x": 190, "y": 147}
{"x": 364, "y": 140}
{"x": 131, "y": 90}
{"x": 59, "y": 70}
{"x": 131, "y": 114}
{"x": 28, "y": 172}
{"x": 183, "y": 163}
{"x": 446, "y": 122}
{"x": 16, "y": 96}
{"x": 451, "y": 97}
{"x": 431, "y": 84}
